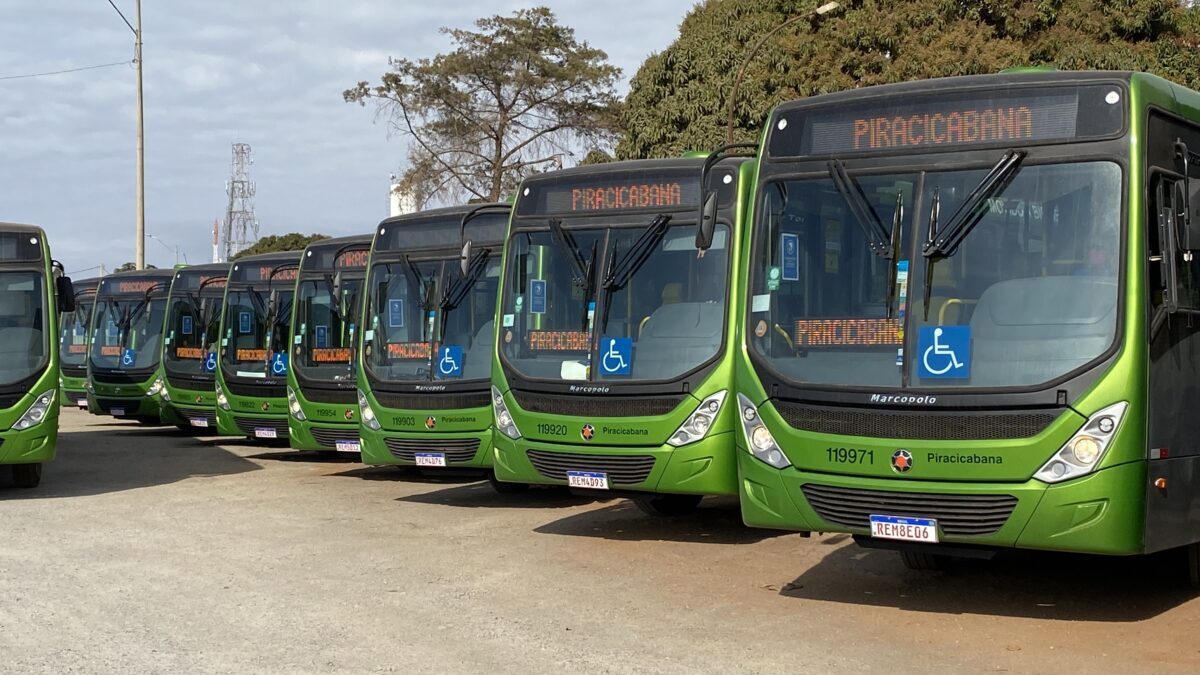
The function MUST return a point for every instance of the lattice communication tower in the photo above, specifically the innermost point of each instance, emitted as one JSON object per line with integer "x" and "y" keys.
{"x": 241, "y": 228}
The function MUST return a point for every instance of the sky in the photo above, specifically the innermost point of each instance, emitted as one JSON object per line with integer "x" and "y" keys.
{"x": 217, "y": 72}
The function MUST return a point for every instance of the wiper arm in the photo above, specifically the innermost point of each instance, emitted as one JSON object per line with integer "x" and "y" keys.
{"x": 974, "y": 207}
{"x": 868, "y": 220}
{"x": 631, "y": 261}
{"x": 934, "y": 209}
{"x": 894, "y": 251}
{"x": 566, "y": 242}
{"x": 454, "y": 294}
{"x": 426, "y": 287}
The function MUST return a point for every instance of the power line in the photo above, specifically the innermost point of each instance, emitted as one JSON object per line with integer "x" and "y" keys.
{"x": 114, "y": 6}
{"x": 68, "y": 70}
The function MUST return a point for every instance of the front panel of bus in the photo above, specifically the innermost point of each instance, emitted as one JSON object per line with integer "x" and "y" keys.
{"x": 126, "y": 344}
{"x": 939, "y": 344}
{"x": 426, "y": 352}
{"x": 190, "y": 347}
{"x": 252, "y": 360}
{"x": 73, "y": 345}
{"x": 322, "y": 403}
{"x": 611, "y": 366}
{"x": 28, "y": 351}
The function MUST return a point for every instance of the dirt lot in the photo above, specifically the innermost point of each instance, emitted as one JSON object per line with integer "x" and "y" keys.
{"x": 149, "y": 552}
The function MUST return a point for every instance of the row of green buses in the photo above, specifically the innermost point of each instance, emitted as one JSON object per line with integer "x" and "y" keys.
{"x": 946, "y": 317}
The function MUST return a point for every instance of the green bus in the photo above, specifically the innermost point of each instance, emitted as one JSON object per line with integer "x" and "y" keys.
{"x": 126, "y": 345}
{"x": 33, "y": 291}
{"x": 322, "y": 401}
{"x": 189, "y": 357}
{"x": 74, "y": 329}
{"x": 982, "y": 332}
{"x": 613, "y": 358}
{"x": 426, "y": 345}
{"x": 252, "y": 360}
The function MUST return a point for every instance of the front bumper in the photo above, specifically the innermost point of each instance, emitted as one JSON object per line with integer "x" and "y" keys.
{"x": 195, "y": 417}
{"x": 241, "y": 424}
{"x": 705, "y": 467}
{"x": 30, "y": 446}
{"x": 308, "y": 435}
{"x": 1100, "y": 513}
{"x": 463, "y": 449}
{"x": 139, "y": 407}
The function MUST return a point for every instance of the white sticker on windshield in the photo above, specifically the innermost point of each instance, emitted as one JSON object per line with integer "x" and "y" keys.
{"x": 296, "y": 340}
{"x": 761, "y": 303}
{"x": 509, "y": 320}
{"x": 369, "y": 335}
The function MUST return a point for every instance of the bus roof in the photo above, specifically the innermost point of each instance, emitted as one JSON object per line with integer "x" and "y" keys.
{"x": 439, "y": 228}
{"x": 328, "y": 255}
{"x": 21, "y": 227}
{"x": 446, "y": 212}
{"x": 136, "y": 282}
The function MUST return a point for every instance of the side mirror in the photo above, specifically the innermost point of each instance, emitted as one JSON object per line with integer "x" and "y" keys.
{"x": 1187, "y": 225}
{"x": 65, "y": 291}
{"x": 708, "y": 223}
{"x": 337, "y": 287}
{"x": 464, "y": 261}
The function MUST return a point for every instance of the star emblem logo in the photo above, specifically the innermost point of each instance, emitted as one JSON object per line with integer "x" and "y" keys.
{"x": 349, "y": 414}
{"x": 902, "y": 461}
{"x": 587, "y": 432}
{"x": 430, "y": 422}
{"x": 266, "y": 406}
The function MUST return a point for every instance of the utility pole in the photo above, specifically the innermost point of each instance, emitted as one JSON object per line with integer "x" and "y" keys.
{"x": 140, "y": 249}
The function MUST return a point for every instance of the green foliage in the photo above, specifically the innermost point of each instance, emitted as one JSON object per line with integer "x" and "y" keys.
{"x": 293, "y": 241}
{"x": 679, "y": 98}
{"x": 509, "y": 100}
{"x": 131, "y": 266}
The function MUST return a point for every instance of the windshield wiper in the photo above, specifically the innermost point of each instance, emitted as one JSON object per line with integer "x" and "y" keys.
{"x": 426, "y": 286}
{"x": 894, "y": 251}
{"x": 934, "y": 209}
{"x": 868, "y": 220}
{"x": 621, "y": 271}
{"x": 974, "y": 207}
{"x": 579, "y": 274}
{"x": 454, "y": 294}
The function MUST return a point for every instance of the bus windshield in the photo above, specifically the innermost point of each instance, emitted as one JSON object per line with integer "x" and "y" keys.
{"x": 1028, "y": 295}
{"x": 193, "y": 325}
{"x": 257, "y": 330}
{"x": 327, "y": 328}
{"x": 22, "y": 326}
{"x": 74, "y": 328}
{"x": 614, "y": 303}
{"x": 127, "y": 332}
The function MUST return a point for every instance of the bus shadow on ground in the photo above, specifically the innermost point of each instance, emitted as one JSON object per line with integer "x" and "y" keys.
{"x": 1023, "y": 584}
{"x": 717, "y": 521}
{"x": 480, "y": 494}
{"x": 313, "y": 456}
{"x": 100, "y": 459}
{"x": 408, "y": 474}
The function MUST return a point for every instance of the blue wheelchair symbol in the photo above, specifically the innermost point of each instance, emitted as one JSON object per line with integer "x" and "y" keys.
{"x": 210, "y": 363}
{"x": 945, "y": 352}
{"x": 279, "y": 363}
{"x": 616, "y": 355}
{"x": 450, "y": 359}
{"x": 128, "y": 358}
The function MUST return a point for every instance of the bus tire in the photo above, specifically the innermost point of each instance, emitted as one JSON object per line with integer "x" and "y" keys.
{"x": 665, "y": 506}
{"x": 505, "y": 488}
{"x": 1192, "y": 552}
{"x": 27, "y": 475}
{"x": 923, "y": 561}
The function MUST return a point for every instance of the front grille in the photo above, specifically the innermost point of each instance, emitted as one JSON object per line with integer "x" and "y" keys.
{"x": 106, "y": 405}
{"x": 343, "y": 396}
{"x": 247, "y": 425}
{"x": 423, "y": 401}
{"x": 958, "y": 514}
{"x": 191, "y": 383}
{"x": 111, "y": 377}
{"x": 75, "y": 397}
{"x": 456, "y": 449}
{"x": 916, "y": 425}
{"x": 621, "y": 469}
{"x": 330, "y": 437}
{"x": 188, "y": 415}
{"x": 256, "y": 390}
{"x": 596, "y": 405}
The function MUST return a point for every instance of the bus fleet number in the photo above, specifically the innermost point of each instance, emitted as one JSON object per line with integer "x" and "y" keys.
{"x": 552, "y": 429}
{"x": 850, "y": 456}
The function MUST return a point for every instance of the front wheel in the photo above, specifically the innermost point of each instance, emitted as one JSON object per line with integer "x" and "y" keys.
{"x": 668, "y": 505}
{"x": 1192, "y": 551}
{"x": 27, "y": 475}
{"x": 506, "y": 488}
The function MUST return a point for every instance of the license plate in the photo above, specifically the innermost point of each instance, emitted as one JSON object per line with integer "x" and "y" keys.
{"x": 82, "y": 403}
{"x": 198, "y": 422}
{"x": 264, "y": 432}
{"x": 922, "y": 530}
{"x": 592, "y": 480}
{"x": 346, "y": 446}
{"x": 431, "y": 458}
{"x": 118, "y": 412}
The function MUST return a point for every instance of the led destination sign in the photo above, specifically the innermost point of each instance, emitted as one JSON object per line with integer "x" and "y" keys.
{"x": 943, "y": 121}
{"x": 669, "y": 189}
{"x": 352, "y": 259}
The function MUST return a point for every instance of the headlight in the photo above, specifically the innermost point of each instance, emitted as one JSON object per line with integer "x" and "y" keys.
{"x": 759, "y": 441}
{"x": 504, "y": 420}
{"x": 699, "y": 422}
{"x": 89, "y": 386}
{"x": 166, "y": 395}
{"x": 222, "y": 402}
{"x": 155, "y": 388}
{"x": 36, "y": 412}
{"x": 365, "y": 413}
{"x": 294, "y": 405}
{"x": 1083, "y": 451}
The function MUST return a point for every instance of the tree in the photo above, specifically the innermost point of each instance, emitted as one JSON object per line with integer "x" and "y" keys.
{"x": 293, "y": 241}
{"x": 131, "y": 266}
{"x": 678, "y": 99}
{"x": 512, "y": 98}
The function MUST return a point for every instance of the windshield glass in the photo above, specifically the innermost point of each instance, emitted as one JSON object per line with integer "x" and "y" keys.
{"x": 74, "y": 328}
{"x": 193, "y": 324}
{"x": 325, "y": 350}
{"x": 127, "y": 332}
{"x": 23, "y": 340}
{"x": 257, "y": 331}
{"x": 402, "y": 297}
{"x": 654, "y": 308}
{"x": 1028, "y": 296}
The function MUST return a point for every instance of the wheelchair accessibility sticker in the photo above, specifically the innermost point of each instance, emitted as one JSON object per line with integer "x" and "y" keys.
{"x": 450, "y": 361}
{"x": 128, "y": 358}
{"x": 279, "y": 363}
{"x": 945, "y": 352}
{"x": 210, "y": 362}
{"x": 616, "y": 355}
